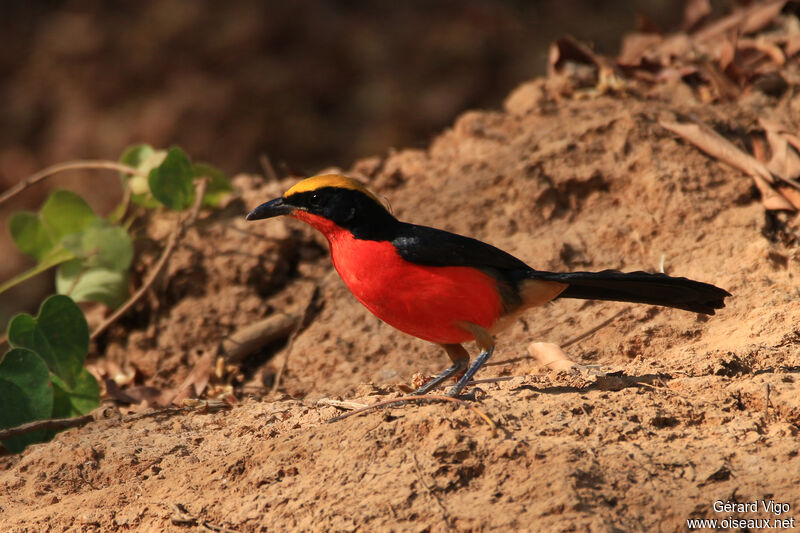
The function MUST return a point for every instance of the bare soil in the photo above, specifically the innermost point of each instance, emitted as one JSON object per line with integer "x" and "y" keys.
{"x": 682, "y": 410}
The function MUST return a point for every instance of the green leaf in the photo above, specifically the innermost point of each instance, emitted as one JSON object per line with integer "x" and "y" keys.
{"x": 146, "y": 200}
{"x": 134, "y": 156}
{"x": 145, "y": 158}
{"x": 56, "y": 256}
{"x": 172, "y": 182}
{"x": 92, "y": 284}
{"x": 77, "y": 400}
{"x": 25, "y": 395}
{"x": 140, "y": 186}
{"x": 59, "y": 335}
{"x": 65, "y": 212}
{"x": 61, "y": 220}
{"x": 30, "y": 235}
{"x": 101, "y": 245}
{"x": 218, "y": 187}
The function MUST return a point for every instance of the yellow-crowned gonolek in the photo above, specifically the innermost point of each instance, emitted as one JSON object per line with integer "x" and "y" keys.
{"x": 447, "y": 288}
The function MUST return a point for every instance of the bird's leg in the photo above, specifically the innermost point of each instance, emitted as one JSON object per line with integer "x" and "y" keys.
{"x": 486, "y": 344}
{"x": 460, "y": 359}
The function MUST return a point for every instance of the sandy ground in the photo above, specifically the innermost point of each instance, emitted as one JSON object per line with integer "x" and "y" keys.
{"x": 682, "y": 410}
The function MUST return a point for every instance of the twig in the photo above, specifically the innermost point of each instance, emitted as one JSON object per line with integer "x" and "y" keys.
{"x": 181, "y": 517}
{"x": 104, "y": 413}
{"x": 61, "y": 167}
{"x": 208, "y": 525}
{"x": 595, "y": 329}
{"x": 162, "y": 261}
{"x": 250, "y": 338}
{"x": 101, "y": 413}
{"x": 200, "y": 191}
{"x": 37, "y": 425}
{"x": 491, "y": 380}
{"x": 419, "y": 398}
{"x": 339, "y": 404}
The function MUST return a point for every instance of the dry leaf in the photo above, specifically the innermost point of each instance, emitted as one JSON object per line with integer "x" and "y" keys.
{"x": 723, "y": 87}
{"x": 148, "y": 395}
{"x": 785, "y": 162}
{"x": 197, "y": 379}
{"x": 793, "y": 45}
{"x": 694, "y": 12}
{"x": 715, "y": 145}
{"x": 776, "y": 126}
{"x": 791, "y": 194}
{"x": 768, "y": 49}
{"x": 674, "y": 46}
{"x": 748, "y": 20}
{"x": 794, "y": 140}
{"x": 119, "y": 395}
{"x": 550, "y": 355}
{"x": 759, "y": 147}
{"x": 726, "y": 52}
{"x": 566, "y": 50}
{"x": 635, "y": 48}
{"x": 760, "y": 16}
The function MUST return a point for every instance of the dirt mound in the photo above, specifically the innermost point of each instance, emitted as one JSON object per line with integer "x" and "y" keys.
{"x": 684, "y": 410}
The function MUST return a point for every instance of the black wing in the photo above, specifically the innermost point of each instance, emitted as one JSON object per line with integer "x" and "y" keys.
{"x": 435, "y": 247}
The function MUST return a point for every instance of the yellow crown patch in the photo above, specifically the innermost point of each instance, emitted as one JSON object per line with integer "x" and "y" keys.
{"x": 330, "y": 180}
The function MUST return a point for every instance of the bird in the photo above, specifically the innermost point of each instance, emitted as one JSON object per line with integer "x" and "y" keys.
{"x": 450, "y": 289}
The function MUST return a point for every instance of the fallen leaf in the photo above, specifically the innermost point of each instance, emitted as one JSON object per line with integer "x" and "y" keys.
{"x": 715, "y": 145}
{"x": 723, "y": 87}
{"x": 637, "y": 47}
{"x": 744, "y": 21}
{"x": 759, "y": 147}
{"x": 793, "y": 45}
{"x": 550, "y": 355}
{"x": 785, "y": 162}
{"x": 791, "y": 194}
{"x": 760, "y": 16}
{"x": 566, "y": 50}
{"x": 768, "y": 49}
{"x": 726, "y": 52}
{"x": 117, "y": 394}
{"x": 149, "y": 395}
{"x": 674, "y": 46}
{"x": 695, "y": 11}
{"x": 197, "y": 379}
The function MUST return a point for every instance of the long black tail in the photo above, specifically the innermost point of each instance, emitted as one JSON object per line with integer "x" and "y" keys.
{"x": 640, "y": 287}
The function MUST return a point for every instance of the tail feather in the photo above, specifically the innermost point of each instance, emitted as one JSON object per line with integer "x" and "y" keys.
{"x": 640, "y": 287}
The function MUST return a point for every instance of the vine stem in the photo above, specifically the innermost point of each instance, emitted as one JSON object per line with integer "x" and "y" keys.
{"x": 180, "y": 227}
{"x": 61, "y": 167}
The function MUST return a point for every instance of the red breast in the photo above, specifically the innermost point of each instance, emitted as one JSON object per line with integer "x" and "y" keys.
{"x": 424, "y": 301}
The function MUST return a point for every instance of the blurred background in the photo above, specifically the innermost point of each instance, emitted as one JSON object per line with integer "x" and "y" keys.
{"x": 310, "y": 83}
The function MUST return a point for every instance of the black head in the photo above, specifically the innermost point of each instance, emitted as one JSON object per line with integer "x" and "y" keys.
{"x": 338, "y": 199}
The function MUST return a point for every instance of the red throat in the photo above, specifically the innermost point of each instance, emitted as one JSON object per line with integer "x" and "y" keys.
{"x": 321, "y": 224}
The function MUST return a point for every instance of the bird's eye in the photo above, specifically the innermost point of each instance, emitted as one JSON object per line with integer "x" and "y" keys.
{"x": 315, "y": 200}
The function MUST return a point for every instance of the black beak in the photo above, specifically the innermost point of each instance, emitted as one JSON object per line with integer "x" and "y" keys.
{"x": 273, "y": 208}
